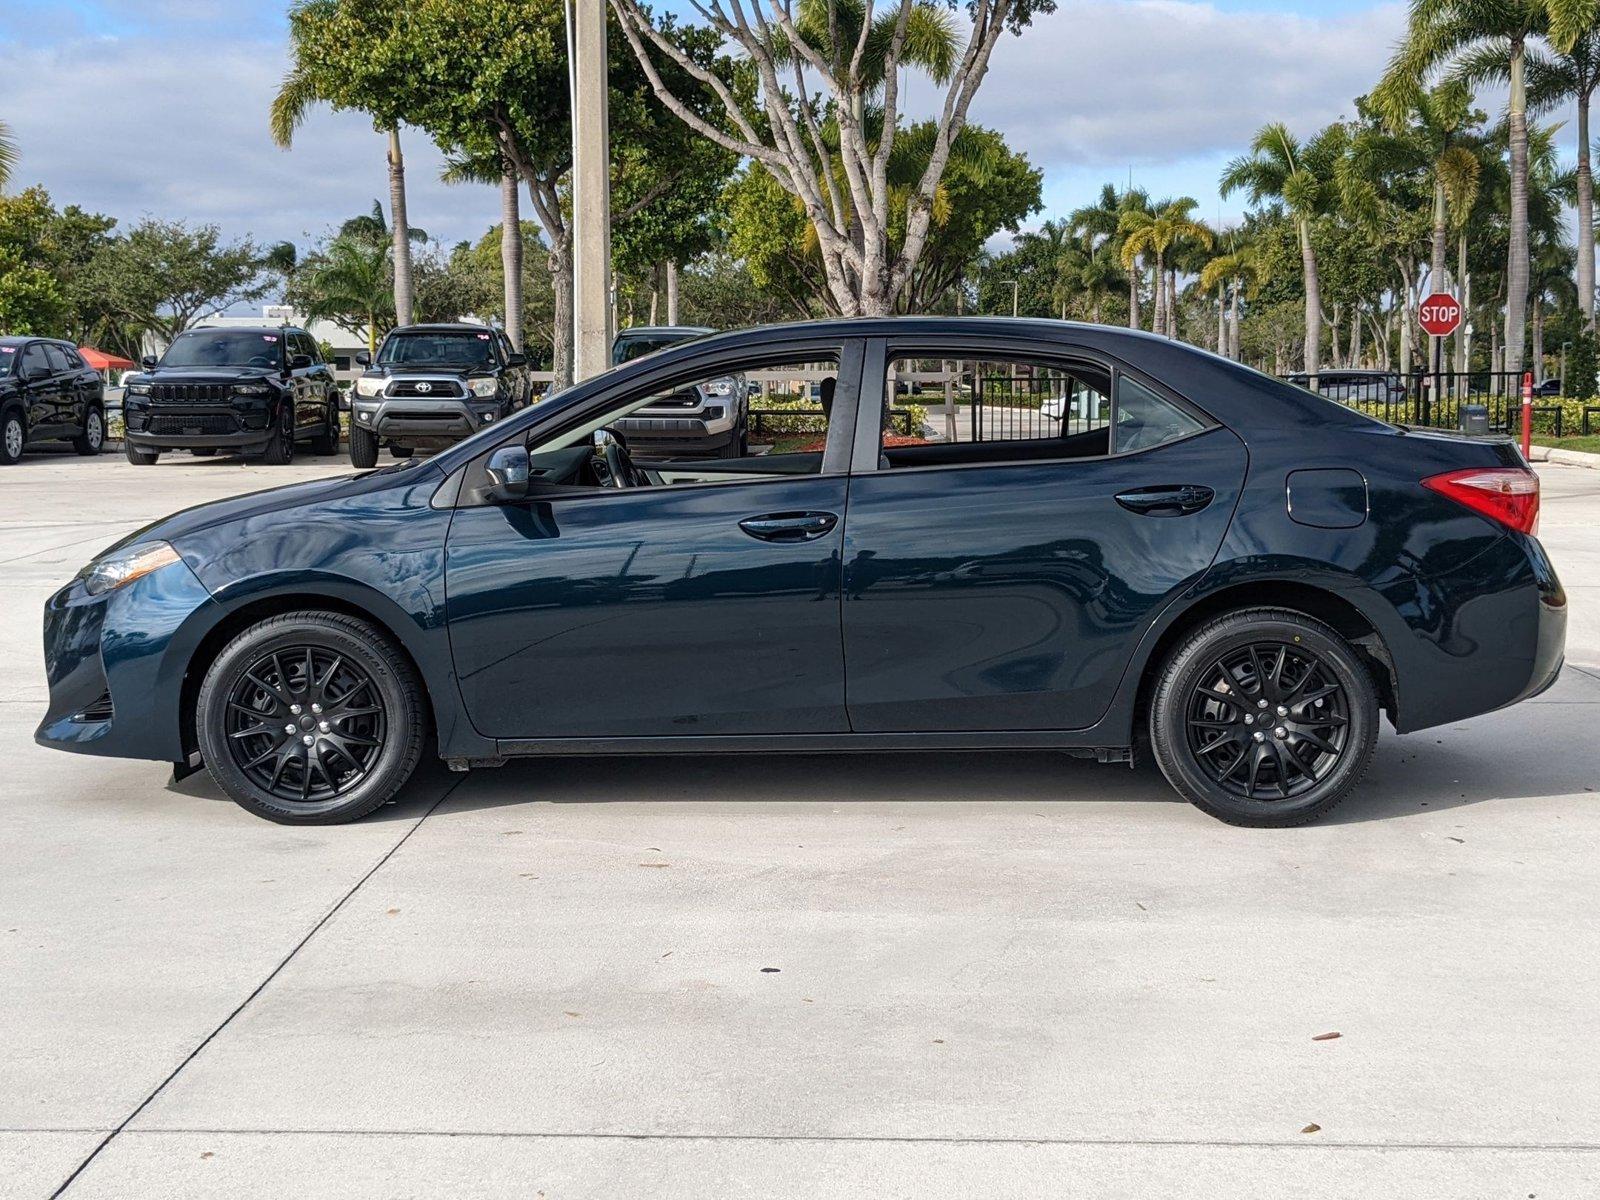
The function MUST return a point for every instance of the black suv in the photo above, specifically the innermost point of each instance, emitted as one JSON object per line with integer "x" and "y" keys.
{"x": 432, "y": 385}
{"x": 254, "y": 390}
{"x": 48, "y": 393}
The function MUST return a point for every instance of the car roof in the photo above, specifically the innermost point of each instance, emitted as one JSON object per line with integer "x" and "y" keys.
{"x": 19, "y": 339}
{"x": 263, "y": 328}
{"x": 634, "y": 332}
{"x": 442, "y": 327}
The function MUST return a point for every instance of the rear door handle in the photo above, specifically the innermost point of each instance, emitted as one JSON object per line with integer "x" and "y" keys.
{"x": 789, "y": 527}
{"x": 1166, "y": 500}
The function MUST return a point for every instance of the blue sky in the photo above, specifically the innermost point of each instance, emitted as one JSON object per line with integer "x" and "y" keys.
{"x": 167, "y": 112}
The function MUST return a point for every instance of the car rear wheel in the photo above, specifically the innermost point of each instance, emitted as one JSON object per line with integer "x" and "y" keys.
{"x": 363, "y": 447}
{"x": 13, "y": 437}
{"x": 93, "y": 438}
{"x": 138, "y": 457}
{"x": 327, "y": 442}
{"x": 311, "y": 718}
{"x": 1264, "y": 717}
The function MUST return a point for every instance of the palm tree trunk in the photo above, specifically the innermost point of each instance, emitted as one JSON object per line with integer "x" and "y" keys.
{"x": 1538, "y": 337}
{"x": 1308, "y": 265}
{"x": 561, "y": 336}
{"x": 1222, "y": 317}
{"x": 1355, "y": 334}
{"x": 1134, "y": 278}
{"x": 511, "y": 255}
{"x": 1172, "y": 302}
{"x": 1464, "y": 282}
{"x": 1517, "y": 256}
{"x": 672, "y": 291}
{"x": 1233, "y": 321}
{"x": 401, "y": 229}
{"x": 1585, "y": 217}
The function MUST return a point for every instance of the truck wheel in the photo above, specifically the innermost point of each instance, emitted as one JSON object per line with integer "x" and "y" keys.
{"x": 327, "y": 442}
{"x": 93, "y": 438}
{"x": 363, "y": 447}
{"x": 280, "y": 449}
{"x": 138, "y": 457}
{"x": 13, "y": 436}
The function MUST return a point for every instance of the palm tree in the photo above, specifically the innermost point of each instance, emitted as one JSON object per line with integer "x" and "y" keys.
{"x": 349, "y": 283}
{"x": 1461, "y": 34}
{"x": 1240, "y": 271}
{"x": 1156, "y": 234}
{"x": 296, "y": 95}
{"x": 501, "y": 172}
{"x": 8, "y": 154}
{"x": 1280, "y": 168}
{"x": 1099, "y": 226}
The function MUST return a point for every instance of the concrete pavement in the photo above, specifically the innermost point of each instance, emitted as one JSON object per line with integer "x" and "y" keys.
{"x": 983, "y": 975}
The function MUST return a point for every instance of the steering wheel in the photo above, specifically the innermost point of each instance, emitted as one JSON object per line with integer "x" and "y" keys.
{"x": 619, "y": 469}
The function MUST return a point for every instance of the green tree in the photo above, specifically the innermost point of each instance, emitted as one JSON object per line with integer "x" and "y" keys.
{"x": 330, "y": 46}
{"x": 347, "y": 282}
{"x": 1099, "y": 226}
{"x": 8, "y": 155}
{"x": 1156, "y": 233}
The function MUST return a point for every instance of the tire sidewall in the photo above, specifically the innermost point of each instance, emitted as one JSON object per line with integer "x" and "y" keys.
{"x": 12, "y": 417}
{"x": 1169, "y": 711}
{"x": 94, "y": 431}
{"x": 397, "y": 690}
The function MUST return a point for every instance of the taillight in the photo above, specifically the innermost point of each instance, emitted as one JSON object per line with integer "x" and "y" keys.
{"x": 1509, "y": 495}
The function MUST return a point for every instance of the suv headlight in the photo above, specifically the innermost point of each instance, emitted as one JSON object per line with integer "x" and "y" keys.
{"x": 122, "y": 567}
{"x": 719, "y": 387}
{"x": 369, "y": 386}
{"x": 136, "y": 389}
{"x": 484, "y": 387}
{"x": 252, "y": 389}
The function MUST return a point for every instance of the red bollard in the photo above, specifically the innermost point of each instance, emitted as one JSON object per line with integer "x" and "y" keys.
{"x": 1527, "y": 415}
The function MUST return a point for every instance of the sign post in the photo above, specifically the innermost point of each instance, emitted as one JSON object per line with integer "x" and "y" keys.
{"x": 1440, "y": 316}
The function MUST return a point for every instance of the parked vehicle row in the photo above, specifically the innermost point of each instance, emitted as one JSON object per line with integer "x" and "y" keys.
{"x": 1236, "y": 572}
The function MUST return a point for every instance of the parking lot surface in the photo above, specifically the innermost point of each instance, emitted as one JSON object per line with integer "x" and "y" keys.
{"x": 986, "y": 975}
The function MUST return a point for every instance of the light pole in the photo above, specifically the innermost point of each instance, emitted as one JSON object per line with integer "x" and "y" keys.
{"x": 591, "y": 188}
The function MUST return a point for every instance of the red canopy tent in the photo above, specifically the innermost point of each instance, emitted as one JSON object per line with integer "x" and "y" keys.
{"x": 101, "y": 361}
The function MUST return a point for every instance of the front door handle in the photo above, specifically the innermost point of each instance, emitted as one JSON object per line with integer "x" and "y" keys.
{"x": 789, "y": 527}
{"x": 1166, "y": 500}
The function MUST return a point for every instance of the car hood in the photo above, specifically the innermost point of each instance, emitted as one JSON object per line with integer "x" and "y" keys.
{"x": 203, "y": 375}
{"x": 284, "y": 500}
{"x": 400, "y": 372}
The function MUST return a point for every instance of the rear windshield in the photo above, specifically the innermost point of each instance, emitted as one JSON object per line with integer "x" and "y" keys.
{"x": 439, "y": 348}
{"x": 629, "y": 348}
{"x": 224, "y": 348}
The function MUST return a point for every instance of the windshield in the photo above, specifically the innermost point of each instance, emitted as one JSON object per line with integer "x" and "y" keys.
{"x": 629, "y": 348}
{"x": 439, "y": 348}
{"x": 224, "y": 348}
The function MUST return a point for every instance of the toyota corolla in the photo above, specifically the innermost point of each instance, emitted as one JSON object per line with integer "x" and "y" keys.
{"x": 1194, "y": 559}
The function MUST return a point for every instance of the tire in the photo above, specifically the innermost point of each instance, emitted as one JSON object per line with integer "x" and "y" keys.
{"x": 138, "y": 457}
{"x": 401, "y": 451}
{"x": 284, "y": 669}
{"x": 327, "y": 442}
{"x": 13, "y": 436}
{"x": 280, "y": 447}
{"x": 731, "y": 450}
{"x": 203, "y": 451}
{"x": 363, "y": 447}
{"x": 1297, "y": 739}
{"x": 93, "y": 438}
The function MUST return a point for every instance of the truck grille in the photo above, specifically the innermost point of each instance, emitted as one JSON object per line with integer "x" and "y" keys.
{"x": 430, "y": 389}
{"x": 198, "y": 423}
{"x": 202, "y": 392}
{"x": 684, "y": 398}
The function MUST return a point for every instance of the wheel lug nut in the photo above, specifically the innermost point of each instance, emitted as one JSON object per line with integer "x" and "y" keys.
{"x": 1261, "y": 703}
{"x": 316, "y": 708}
{"x": 1259, "y": 736}
{"x": 295, "y": 709}
{"x": 290, "y": 727}
{"x": 1279, "y": 731}
{"x": 308, "y": 739}
{"x": 324, "y": 726}
{"x": 1249, "y": 719}
{"x": 1282, "y": 711}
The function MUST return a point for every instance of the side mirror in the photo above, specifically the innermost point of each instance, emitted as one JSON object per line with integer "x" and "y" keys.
{"x": 364, "y": 358}
{"x": 299, "y": 362}
{"x": 148, "y": 362}
{"x": 516, "y": 360}
{"x": 508, "y": 469}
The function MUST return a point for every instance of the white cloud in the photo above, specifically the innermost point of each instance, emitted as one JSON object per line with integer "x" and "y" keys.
{"x": 132, "y": 127}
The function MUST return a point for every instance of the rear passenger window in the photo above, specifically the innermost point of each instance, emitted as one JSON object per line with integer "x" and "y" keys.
{"x": 1145, "y": 420}
{"x": 58, "y": 360}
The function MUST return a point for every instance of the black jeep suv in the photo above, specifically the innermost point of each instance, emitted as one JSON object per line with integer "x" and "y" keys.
{"x": 256, "y": 391}
{"x": 432, "y": 385}
{"x": 48, "y": 393}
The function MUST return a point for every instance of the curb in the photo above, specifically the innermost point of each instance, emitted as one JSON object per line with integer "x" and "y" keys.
{"x": 1570, "y": 458}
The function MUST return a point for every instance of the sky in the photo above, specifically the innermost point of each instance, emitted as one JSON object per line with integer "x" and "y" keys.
{"x": 159, "y": 107}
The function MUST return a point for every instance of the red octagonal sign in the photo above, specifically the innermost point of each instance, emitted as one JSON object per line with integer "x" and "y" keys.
{"x": 1440, "y": 314}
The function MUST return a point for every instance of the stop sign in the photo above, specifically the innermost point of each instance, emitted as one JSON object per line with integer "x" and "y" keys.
{"x": 1440, "y": 314}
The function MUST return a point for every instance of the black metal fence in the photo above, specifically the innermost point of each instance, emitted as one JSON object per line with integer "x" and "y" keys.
{"x": 1433, "y": 399}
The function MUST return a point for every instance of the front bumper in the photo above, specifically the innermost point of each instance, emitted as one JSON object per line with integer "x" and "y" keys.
{"x": 423, "y": 422}
{"x": 115, "y": 665}
{"x": 249, "y": 439}
{"x": 675, "y": 436}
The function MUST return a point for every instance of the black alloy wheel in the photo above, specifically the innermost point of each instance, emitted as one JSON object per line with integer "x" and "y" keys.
{"x": 280, "y": 447}
{"x": 311, "y": 718}
{"x": 1264, "y": 717}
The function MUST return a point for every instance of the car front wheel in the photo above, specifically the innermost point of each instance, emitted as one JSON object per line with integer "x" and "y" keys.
{"x": 1264, "y": 717}
{"x": 363, "y": 447}
{"x": 311, "y": 718}
{"x": 280, "y": 448}
{"x": 138, "y": 457}
{"x": 93, "y": 438}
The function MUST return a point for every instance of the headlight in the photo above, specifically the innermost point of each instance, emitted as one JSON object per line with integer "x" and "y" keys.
{"x": 484, "y": 387}
{"x": 719, "y": 387}
{"x": 136, "y": 389}
{"x": 369, "y": 386}
{"x": 251, "y": 389}
{"x": 122, "y": 567}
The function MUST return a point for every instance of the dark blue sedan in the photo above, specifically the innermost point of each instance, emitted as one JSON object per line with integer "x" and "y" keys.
{"x": 1090, "y": 540}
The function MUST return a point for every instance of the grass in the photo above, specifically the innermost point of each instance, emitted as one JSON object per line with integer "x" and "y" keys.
{"x": 1589, "y": 445}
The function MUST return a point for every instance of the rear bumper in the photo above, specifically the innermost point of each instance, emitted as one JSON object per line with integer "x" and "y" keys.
{"x": 1486, "y": 635}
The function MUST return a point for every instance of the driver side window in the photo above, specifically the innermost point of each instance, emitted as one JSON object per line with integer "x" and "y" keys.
{"x": 765, "y": 419}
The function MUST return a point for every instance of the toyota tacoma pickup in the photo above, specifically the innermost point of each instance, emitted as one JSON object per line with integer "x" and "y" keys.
{"x": 431, "y": 386}
{"x": 709, "y": 419}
